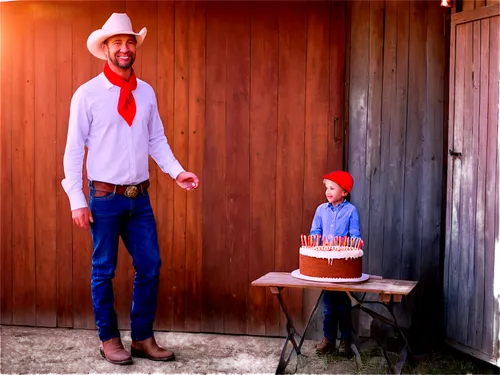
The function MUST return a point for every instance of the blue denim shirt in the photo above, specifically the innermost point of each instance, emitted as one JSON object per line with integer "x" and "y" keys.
{"x": 341, "y": 220}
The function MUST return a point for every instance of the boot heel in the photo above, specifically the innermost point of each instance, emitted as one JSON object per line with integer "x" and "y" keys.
{"x": 102, "y": 353}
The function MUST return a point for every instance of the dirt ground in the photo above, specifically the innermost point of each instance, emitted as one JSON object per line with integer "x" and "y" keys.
{"x": 43, "y": 350}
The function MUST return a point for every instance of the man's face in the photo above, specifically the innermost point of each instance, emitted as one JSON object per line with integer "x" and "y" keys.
{"x": 120, "y": 50}
{"x": 334, "y": 193}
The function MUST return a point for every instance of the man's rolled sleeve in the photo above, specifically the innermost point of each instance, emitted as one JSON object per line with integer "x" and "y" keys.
{"x": 78, "y": 130}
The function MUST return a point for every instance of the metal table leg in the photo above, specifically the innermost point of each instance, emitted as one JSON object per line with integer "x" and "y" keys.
{"x": 291, "y": 331}
{"x": 406, "y": 351}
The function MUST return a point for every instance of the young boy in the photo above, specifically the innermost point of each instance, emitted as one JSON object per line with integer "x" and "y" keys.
{"x": 338, "y": 217}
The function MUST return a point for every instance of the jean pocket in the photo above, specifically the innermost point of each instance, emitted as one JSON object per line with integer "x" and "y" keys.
{"x": 99, "y": 195}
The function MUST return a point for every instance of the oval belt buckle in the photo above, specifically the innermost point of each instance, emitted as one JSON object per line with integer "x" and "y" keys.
{"x": 131, "y": 191}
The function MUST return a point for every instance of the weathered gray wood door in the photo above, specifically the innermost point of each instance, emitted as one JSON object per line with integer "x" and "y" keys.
{"x": 471, "y": 266}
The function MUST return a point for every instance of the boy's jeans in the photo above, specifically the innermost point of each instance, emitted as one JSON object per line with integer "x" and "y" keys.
{"x": 114, "y": 216}
{"x": 337, "y": 310}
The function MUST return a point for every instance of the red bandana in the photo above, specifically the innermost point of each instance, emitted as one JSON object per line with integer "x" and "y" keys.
{"x": 126, "y": 101}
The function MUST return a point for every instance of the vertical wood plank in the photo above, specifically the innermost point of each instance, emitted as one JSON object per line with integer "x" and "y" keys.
{"x": 83, "y": 316}
{"x": 495, "y": 103}
{"x": 465, "y": 186}
{"x": 393, "y": 236}
{"x": 64, "y": 222}
{"x": 398, "y": 132}
{"x": 316, "y": 110}
{"x": 447, "y": 271}
{"x": 456, "y": 163}
{"x": 412, "y": 218}
{"x": 194, "y": 215}
{"x": 6, "y": 117}
{"x": 45, "y": 17}
{"x": 374, "y": 169}
{"x": 23, "y": 160}
{"x": 337, "y": 99}
{"x": 430, "y": 321}
{"x": 347, "y": 76}
{"x": 489, "y": 338}
{"x": 214, "y": 169}
{"x": 165, "y": 184}
{"x": 390, "y": 248}
{"x": 317, "y": 103}
{"x": 180, "y": 149}
{"x": 290, "y": 158}
{"x": 496, "y": 328}
{"x": 476, "y": 336}
{"x": 237, "y": 165}
{"x": 263, "y": 314}
{"x": 358, "y": 110}
{"x": 473, "y": 277}
{"x": 414, "y": 200}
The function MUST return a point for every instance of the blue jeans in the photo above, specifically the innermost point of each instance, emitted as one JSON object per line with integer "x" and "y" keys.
{"x": 337, "y": 310}
{"x": 133, "y": 220}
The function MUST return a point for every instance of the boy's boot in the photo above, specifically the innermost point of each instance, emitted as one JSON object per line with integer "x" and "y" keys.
{"x": 345, "y": 348}
{"x": 325, "y": 346}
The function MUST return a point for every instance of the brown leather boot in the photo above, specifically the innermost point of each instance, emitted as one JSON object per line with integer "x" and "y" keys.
{"x": 345, "y": 349}
{"x": 113, "y": 351}
{"x": 149, "y": 349}
{"x": 325, "y": 346}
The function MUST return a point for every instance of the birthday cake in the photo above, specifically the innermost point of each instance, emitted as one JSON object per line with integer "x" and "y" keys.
{"x": 332, "y": 258}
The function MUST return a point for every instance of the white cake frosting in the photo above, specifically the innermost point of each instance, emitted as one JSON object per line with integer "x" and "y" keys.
{"x": 331, "y": 252}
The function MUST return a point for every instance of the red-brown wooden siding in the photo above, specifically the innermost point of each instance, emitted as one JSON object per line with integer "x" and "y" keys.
{"x": 251, "y": 95}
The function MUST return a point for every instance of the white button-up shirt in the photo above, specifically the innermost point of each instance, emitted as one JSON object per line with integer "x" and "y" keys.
{"x": 117, "y": 153}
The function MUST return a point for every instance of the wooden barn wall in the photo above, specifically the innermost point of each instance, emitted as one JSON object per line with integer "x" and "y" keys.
{"x": 397, "y": 99}
{"x": 471, "y": 268}
{"x": 251, "y": 96}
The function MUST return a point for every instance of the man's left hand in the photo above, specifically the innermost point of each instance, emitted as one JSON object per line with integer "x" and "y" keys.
{"x": 187, "y": 180}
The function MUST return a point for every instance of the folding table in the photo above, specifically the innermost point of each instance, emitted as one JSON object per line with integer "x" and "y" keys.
{"x": 390, "y": 291}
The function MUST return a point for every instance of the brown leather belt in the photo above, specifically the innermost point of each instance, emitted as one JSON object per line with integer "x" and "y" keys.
{"x": 130, "y": 191}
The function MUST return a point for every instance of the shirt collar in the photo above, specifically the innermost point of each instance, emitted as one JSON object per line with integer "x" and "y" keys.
{"x": 107, "y": 84}
{"x": 337, "y": 207}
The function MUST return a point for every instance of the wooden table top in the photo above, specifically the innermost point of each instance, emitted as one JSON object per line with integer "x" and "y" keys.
{"x": 375, "y": 284}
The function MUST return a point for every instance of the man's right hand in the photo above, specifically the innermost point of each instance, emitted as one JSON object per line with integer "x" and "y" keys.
{"x": 82, "y": 217}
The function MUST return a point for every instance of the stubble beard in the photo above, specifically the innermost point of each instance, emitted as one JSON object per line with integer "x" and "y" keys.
{"x": 128, "y": 65}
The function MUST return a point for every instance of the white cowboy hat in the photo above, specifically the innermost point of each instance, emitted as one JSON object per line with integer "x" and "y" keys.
{"x": 118, "y": 23}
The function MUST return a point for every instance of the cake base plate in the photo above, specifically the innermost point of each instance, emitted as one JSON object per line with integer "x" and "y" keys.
{"x": 298, "y": 275}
